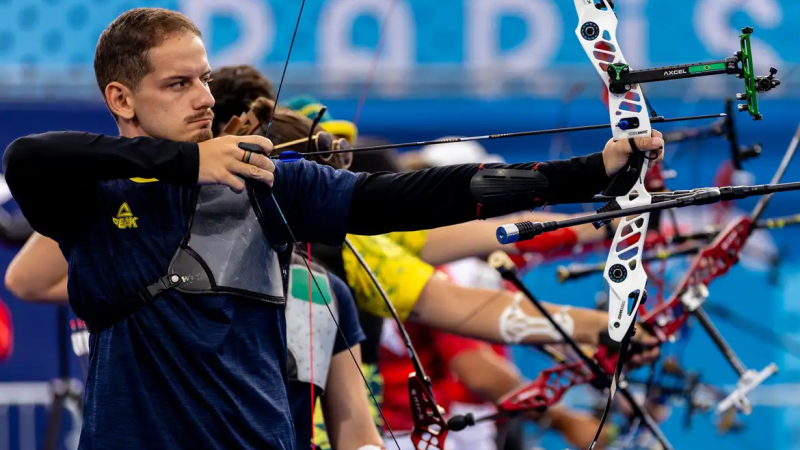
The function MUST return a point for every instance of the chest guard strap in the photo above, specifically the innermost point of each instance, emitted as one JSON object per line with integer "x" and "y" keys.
{"x": 121, "y": 310}
{"x": 228, "y": 249}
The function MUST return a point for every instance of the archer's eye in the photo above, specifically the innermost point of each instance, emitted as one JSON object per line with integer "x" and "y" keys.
{"x": 178, "y": 85}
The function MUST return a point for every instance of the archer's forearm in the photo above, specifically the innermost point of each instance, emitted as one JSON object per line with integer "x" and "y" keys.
{"x": 589, "y": 323}
{"x": 493, "y": 315}
{"x": 348, "y": 420}
{"x": 486, "y": 373}
{"x": 449, "y": 195}
{"x": 65, "y": 158}
{"x": 38, "y": 272}
{"x": 57, "y": 294}
{"x": 478, "y": 238}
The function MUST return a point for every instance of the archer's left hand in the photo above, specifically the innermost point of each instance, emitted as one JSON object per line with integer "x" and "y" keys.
{"x": 616, "y": 153}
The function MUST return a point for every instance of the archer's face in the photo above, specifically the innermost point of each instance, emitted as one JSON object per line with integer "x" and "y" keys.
{"x": 173, "y": 101}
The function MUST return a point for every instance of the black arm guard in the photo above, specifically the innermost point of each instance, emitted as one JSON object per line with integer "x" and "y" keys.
{"x": 505, "y": 191}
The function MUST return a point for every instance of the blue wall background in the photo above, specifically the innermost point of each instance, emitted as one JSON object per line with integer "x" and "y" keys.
{"x": 456, "y": 48}
{"x": 448, "y": 70}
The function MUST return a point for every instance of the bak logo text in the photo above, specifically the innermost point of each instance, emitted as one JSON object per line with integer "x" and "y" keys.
{"x": 125, "y": 218}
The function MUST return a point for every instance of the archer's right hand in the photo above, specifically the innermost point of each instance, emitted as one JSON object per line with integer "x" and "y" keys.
{"x": 222, "y": 162}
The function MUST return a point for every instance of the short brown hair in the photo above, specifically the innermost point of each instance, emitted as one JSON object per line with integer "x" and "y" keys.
{"x": 122, "y": 50}
{"x": 234, "y": 88}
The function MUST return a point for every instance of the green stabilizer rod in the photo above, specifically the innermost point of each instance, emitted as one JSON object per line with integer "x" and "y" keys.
{"x": 753, "y": 85}
{"x": 622, "y": 78}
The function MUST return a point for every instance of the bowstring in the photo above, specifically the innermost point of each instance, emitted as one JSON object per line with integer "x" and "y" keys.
{"x": 341, "y": 332}
{"x": 373, "y": 66}
{"x": 356, "y": 117}
{"x": 285, "y": 67}
{"x": 311, "y": 345}
{"x": 308, "y": 265}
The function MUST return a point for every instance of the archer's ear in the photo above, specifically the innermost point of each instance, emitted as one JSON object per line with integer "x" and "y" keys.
{"x": 120, "y": 100}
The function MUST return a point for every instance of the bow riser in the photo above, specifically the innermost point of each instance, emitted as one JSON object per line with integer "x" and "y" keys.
{"x": 596, "y": 31}
{"x": 601, "y": 366}
{"x": 547, "y": 389}
{"x": 430, "y": 428}
{"x": 666, "y": 319}
{"x": 551, "y": 384}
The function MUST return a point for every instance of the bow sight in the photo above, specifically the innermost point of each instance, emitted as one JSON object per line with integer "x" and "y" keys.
{"x": 622, "y": 78}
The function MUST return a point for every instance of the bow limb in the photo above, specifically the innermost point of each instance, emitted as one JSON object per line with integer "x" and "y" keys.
{"x": 430, "y": 428}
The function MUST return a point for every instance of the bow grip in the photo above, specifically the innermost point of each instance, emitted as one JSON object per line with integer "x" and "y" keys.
{"x": 254, "y": 148}
{"x": 249, "y": 147}
{"x": 626, "y": 178}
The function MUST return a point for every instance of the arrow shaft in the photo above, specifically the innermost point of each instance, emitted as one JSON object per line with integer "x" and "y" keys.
{"x": 527, "y": 230}
{"x": 497, "y": 136}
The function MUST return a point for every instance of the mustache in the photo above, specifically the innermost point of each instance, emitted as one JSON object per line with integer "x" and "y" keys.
{"x": 201, "y": 115}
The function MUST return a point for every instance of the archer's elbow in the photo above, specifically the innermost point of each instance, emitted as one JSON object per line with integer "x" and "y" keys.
{"x": 17, "y": 155}
{"x": 24, "y": 286}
